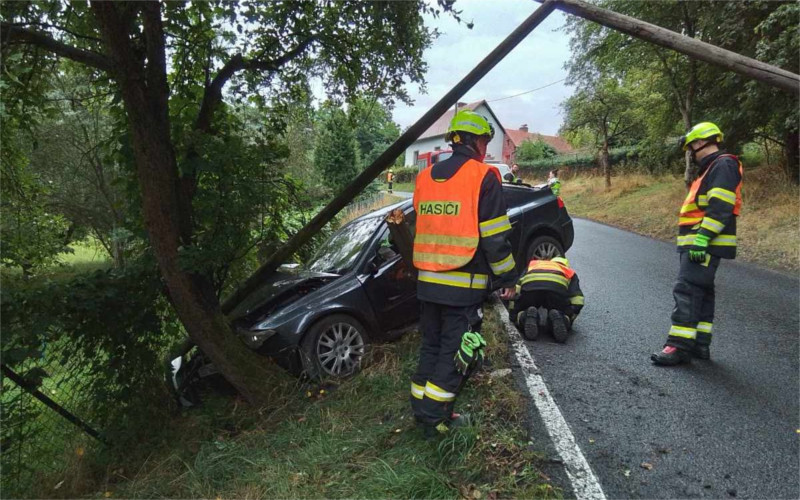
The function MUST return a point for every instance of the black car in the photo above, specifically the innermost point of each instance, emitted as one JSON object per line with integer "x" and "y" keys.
{"x": 319, "y": 318}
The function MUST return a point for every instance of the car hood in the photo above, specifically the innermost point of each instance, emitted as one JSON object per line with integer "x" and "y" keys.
{"x": 280, "y": 289}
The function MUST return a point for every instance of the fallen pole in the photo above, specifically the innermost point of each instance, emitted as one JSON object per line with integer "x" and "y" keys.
{"x": 387, "y": 157}
{"x": 696, "y": 49}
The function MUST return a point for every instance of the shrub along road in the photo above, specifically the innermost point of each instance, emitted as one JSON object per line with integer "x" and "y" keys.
{"x": 718, "y": 429}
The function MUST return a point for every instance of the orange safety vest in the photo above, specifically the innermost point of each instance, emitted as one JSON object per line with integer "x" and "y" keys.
{"x": 547, "y": 271}
{"x": 389, "y": 177}
{"x": 447, "y": 233}
{"x": 693, "y": 208}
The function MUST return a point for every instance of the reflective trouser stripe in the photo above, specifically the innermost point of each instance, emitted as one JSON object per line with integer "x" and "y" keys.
{"x": 455, "y": 278}
{"x": 682, "y": 331}
{"x": 494, "y": 226}
{"x": 712, "y": 225}
{"x": 436, "y": 393}
{"x": 576, "y": 300}
{"x": 504, "y": 265}
{"x": 417, "y": 391}
{"x": 704, "y": 327}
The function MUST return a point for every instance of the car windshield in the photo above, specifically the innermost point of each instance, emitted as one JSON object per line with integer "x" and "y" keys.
{"x": 340, "y": 252}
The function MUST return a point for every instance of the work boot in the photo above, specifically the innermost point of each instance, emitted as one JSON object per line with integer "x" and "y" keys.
{"x": 559, "y": 325}
{"x": 530, "y": 327}
{"x": 670, "y": 356}
{"x": 701, "y": 351}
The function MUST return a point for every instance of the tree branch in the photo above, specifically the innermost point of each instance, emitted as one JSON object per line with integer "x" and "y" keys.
{"x": 14, "y": 34}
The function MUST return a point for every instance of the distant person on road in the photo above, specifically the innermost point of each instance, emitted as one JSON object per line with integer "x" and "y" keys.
{"x": 706, "y": 234}
{"x": 553, "y": 182}
{"x": 462, "y": 251}
{"x": 548, "y": 297}
{"x": 390, "y": 180}
{"x": 513, "y": 175}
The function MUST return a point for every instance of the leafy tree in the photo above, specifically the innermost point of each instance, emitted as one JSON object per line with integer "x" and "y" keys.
{"x": 605, "y": 108}
{"x": 168, "y": 64}
{"x": 695, "y": 91}
{"x": 530, "y": 150}
{"x": 336, "y": 155}
{"x": 375, "y": 131}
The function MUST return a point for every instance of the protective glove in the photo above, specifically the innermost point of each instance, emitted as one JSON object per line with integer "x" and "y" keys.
{"x": 470, "y": 352}
{"x": 697, "y": 252}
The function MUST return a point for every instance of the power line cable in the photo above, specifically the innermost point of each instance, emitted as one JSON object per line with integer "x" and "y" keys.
{"x": 527, "y": 91}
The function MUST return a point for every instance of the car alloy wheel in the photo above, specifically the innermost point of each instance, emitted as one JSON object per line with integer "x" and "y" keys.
{"x": 544, "y": 248}
{"x": 340, "y": 349}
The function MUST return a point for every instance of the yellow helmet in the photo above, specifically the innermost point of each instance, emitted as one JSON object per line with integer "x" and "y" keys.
{"x": 471, "y": 122}
{"x": 561, "y": 260}
{"x": 703, "y": 130}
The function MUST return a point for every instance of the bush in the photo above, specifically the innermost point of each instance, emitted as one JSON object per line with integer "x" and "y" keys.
{"x": 405, "y": 174}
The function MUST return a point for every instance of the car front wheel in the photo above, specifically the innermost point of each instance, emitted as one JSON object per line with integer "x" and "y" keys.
{"x": 334, "y": 347}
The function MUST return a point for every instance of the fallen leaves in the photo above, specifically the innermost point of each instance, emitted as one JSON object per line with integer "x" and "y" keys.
{"x": 646, "y": 465}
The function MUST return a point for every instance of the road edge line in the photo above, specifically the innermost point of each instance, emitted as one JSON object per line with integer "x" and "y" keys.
{"x": 584, "y": 483}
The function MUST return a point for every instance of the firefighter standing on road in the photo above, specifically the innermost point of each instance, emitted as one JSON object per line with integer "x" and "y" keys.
{"x": 462, "y": 252}
{"x": 706, "y": 234}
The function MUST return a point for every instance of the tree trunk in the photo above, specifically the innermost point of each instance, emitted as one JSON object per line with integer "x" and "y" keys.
{"x": 792, "y": 154}
{"x": 605, "y": 162}
{"x": 145, "y": 96}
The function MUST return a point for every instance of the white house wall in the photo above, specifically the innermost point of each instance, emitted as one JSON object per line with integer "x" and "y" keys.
{"x": 429, "y": 144}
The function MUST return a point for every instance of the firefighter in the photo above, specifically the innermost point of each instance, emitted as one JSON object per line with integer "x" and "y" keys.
{"x": 462, "y": 252}
{"x": 549, "y": 294}
{"x": 706, "y": 234}
{"x": 553, "y": 182}
{"x": 390, "y": 180}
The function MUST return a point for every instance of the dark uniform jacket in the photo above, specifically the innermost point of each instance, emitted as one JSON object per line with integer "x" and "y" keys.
{"x": 491, "y": 249}
{"x": 723, "y": 178}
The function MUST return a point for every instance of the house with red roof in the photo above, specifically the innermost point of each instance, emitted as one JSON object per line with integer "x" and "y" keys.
{"x": 500, "y": 149}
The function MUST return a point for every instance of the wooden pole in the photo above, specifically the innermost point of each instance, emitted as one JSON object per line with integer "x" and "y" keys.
{"x": 752, "y": 68}
{"x": 387, "y": 157}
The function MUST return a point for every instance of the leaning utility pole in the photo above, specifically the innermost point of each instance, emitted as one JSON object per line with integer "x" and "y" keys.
{"x": 388, "y": 156}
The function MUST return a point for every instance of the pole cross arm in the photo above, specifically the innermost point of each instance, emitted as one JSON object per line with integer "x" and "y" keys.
{"x": 752, "y": 68}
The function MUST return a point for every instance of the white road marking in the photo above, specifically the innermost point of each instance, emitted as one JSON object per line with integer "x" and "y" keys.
{"x": 584, "y": 482}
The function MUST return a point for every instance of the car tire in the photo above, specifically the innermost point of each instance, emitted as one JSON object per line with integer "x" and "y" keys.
{"x": 544, "y": 248}
{"x": 334, "y": 347}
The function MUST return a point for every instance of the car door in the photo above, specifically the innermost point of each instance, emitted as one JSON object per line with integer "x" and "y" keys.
{"x": 389, "y": 285}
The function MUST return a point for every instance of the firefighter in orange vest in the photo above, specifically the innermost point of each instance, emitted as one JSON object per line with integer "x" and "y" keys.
{"x": 548, "y": 295}
{"x": 706, "y": 234}
{"x": 462, "y": 252}
{"x": 390, "y": 179}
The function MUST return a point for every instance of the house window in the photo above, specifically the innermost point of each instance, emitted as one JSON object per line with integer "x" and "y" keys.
{"x": 437, "y": 148}
{"x": 416, "y": 157}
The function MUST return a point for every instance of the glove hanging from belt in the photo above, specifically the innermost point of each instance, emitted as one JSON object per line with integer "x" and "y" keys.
{"x": 697, "y": 252}
{"x": 470, "y": 353}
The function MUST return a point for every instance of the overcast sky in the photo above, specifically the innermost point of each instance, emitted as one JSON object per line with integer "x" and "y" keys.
{"x": 536, "y": 61}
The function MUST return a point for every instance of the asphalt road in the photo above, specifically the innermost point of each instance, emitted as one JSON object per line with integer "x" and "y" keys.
{"x": 723, "y": 428}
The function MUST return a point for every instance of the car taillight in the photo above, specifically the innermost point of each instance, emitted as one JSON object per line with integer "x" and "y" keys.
{"x": 560, "y": 202}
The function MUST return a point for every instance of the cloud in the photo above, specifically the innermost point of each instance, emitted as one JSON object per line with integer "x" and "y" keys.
{"x": 536, "y": 61}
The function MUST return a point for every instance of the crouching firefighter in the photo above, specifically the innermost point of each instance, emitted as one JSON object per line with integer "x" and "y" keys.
{"x": 462, "y": 252}
{"x": 706, "y": 234}
{"x": 548, "y": 297}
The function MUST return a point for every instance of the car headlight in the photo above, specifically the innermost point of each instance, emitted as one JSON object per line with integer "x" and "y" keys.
{"x": 255, "y": 338}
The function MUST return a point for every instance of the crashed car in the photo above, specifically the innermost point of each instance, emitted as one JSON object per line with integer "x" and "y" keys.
{"x": 320, "y": 317}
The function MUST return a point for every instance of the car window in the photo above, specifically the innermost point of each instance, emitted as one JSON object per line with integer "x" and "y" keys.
{"x": 339, "y": 254}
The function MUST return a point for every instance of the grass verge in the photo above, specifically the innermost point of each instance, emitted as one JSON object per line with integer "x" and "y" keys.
{"x": 354, "y": 439}
{"x": 768, "y": 228}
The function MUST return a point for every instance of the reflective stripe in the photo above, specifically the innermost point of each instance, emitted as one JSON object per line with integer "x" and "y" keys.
{"x": 704, "y": 327}
{"x": 529, "y": 278}
{"x": 682, "y": 331}
{"x": 504, "y": 265}
{"x": 439, "y": 258}
{"x": 685, "y": 221}
{"x": 417, "y": 391}
{"x": 712, "y": 225}
{"x": 436, "y": 393}
{"x": 441, "y": 239}
{"x": 518, "y": 288}
{"x": 723, "y": 240}
{"x": 494, "y": 226}
{"x": 722, "y": 194}
{"x": 576, "y": 300}
{"x": 455, "y": 278}
{"x": 688, "y": 208}
{"x": 478, "y": 126}
{"x": 702, "y": 200}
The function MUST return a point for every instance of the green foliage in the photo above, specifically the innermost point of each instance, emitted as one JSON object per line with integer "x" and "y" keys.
{"x": 531, "y": 150}
{"x": 336, "y": 155}
{"x": 581, "y": 161}
{"x": 374, "y": 128}
{"x": 405, "y": 174}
